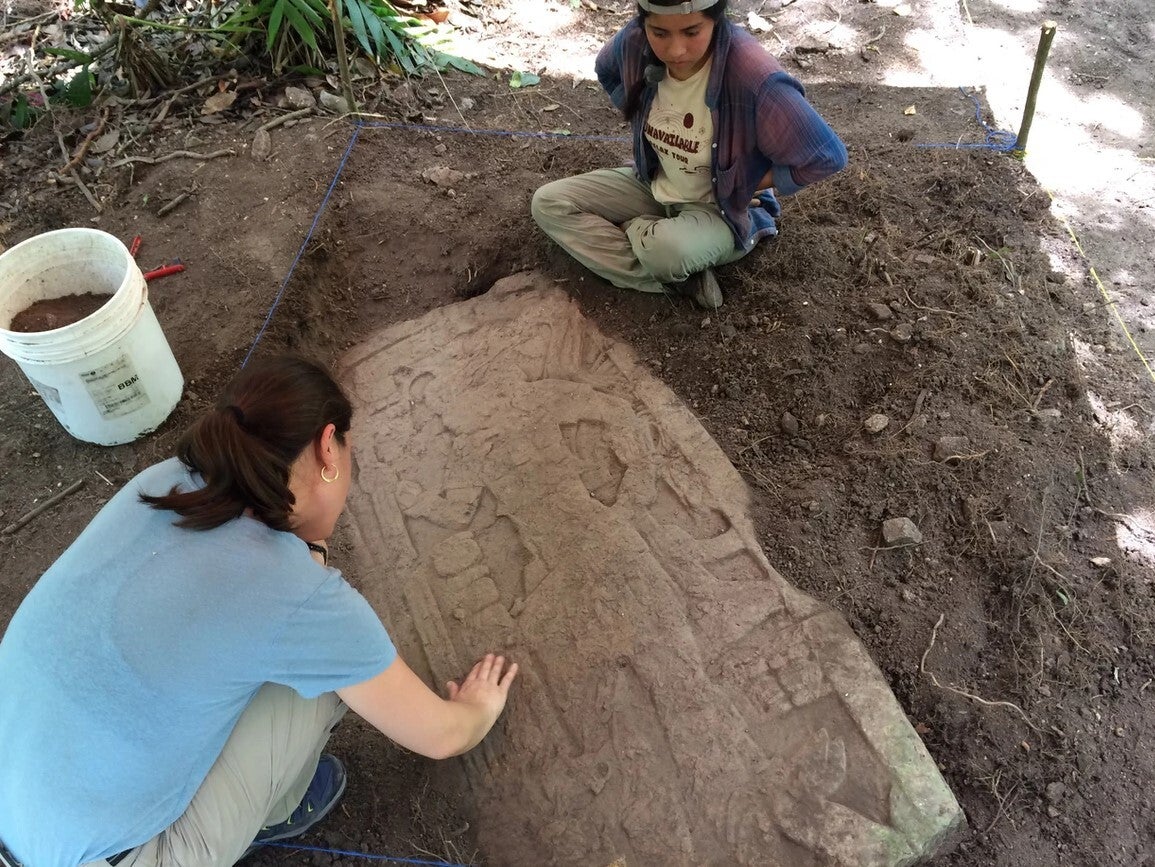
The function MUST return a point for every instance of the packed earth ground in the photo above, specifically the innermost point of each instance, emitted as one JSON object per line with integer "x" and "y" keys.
{"x": 941, "y": 287}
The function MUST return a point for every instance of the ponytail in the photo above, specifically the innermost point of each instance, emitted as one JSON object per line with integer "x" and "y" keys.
{"x": 244, "y": 448}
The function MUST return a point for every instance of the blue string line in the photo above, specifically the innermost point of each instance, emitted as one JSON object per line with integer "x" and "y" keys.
{"x": 365, "y": 855}
{"x": 304, "y": 244}
{"x": 996, "y": 139}
{"x": 506, "y": 133}
{"x": 358, "y": 126}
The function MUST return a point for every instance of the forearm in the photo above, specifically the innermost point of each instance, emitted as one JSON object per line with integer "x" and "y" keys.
{"x": 800, "y": 145}
{"x": 399, "y": 705}
{"x": 459, "y": 729}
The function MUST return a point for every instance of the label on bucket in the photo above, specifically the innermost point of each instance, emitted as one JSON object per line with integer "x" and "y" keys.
{"x": 51, "y": 395}
{"x": 115, "y": 388}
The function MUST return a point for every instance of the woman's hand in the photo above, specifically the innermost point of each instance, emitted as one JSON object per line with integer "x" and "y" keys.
{"x": 485, "y": 686}
{"x": 401, "y": 706}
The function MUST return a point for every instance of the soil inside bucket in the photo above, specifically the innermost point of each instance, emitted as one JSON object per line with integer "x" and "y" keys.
{"x": 51, "y": 313}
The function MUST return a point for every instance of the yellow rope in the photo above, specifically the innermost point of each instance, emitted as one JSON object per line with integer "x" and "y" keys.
{"x": 1106, "y": 294}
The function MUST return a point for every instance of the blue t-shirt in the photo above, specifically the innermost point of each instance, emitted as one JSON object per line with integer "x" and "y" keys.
{"x": 125, "y": 669}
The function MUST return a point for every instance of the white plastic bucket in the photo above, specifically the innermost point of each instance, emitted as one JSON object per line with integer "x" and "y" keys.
{"x": 110, "y": 377}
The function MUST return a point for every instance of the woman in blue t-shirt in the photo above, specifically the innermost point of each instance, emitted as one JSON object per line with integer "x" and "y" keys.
{"x": 171, "y": 681}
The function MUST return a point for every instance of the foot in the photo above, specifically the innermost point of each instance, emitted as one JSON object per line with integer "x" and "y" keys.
{"x": 706, "y": 292}
{"x": 320, "y": 798}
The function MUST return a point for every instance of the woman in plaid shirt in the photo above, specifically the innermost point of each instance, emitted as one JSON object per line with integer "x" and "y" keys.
{"x": 718, "y": 128}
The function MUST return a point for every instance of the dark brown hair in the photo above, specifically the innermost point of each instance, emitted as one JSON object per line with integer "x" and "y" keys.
{"x": 245, "y": 447}
{"x": 634, "y": 97}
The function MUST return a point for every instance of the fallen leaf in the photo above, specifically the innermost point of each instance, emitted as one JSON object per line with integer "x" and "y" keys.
{"x": 910, "y": 109}
{"x": 524, "y": 79}
{"x": 758, "y": 24}
{"x": 105, "y": 142}
{"x": 218, "y": 102}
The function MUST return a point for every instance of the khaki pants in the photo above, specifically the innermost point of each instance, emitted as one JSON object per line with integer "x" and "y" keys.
{"x": 259, "y": 778}
{"x": 608, "y": 221}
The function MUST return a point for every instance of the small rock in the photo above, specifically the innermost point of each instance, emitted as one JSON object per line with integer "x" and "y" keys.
{"x": 459, "y": 614}
{"x": 443, "y": 176}
{"x": 440, "y": 148}
{"x": 950, "y": 447}
{"x": 298, "y": 97}
{"x": 879, "y": 312}
{"x": 1048, "y": 416}
{"x": 734, "y": 392}
{"x": 1090, "y": 306}
{"x": 517, "y": 607}
{"x": 332, "y": 102}
{"x": 1055, "y": 792}
{"x": 466, "y": 103}
{"x": 1053, "y": 812}
{"x": 924, "y": 259}
{"x": 861, "y": 348}
{"x": 900, "y": 531}
{"x": 876, "y": 423}
{"x": 1101, "y": 562}
{"x": 821, "y": 419}
{"x": 728, "y": 329}
{"x": 902, "y": 333}
{"x": 262, "y": 146}
{"x": 789, "y": 424}
{"x": 706, "y": 322}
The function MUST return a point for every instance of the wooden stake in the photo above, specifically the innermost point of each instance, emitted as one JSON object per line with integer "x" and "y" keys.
{"x": 1046, "y": 36}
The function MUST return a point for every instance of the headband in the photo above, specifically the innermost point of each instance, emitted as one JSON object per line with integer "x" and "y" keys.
{"x": 684, "y": 8}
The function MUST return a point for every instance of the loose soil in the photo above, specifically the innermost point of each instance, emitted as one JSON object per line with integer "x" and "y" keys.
{"x": 925, "y": 284}
{"x": 51, "y": 313}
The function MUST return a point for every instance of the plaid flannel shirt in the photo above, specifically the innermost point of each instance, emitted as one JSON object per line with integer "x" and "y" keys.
{"x": 762, "y": 124}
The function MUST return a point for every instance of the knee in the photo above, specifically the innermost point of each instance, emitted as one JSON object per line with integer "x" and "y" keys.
{"x": 661, "y": 259}
{"x": 549, "y": 203}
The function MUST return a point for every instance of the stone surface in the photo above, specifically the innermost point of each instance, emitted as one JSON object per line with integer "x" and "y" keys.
{"x": 523, "y": 484}
{"x": 334, "y": 103}
{"x": 298, "y": 97}
{"x": 901, "y": 531}
{"x": 950, "y": 447}
{"x": 876, "y": 423}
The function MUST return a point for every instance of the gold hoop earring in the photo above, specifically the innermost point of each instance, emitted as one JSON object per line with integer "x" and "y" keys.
{"x": 336, "y": 474}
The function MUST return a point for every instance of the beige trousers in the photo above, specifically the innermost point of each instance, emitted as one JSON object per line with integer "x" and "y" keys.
{"x": 259, "y": 778}
{"x": 608, "y": 220}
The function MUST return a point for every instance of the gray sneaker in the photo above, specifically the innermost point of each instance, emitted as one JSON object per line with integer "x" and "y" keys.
{"x": 707, "y": 293}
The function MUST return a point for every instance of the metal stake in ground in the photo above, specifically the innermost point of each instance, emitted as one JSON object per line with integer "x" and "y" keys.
{"x": 1046, "y": 36}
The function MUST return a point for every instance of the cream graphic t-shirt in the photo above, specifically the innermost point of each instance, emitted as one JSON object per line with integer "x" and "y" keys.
{"x": 681, "y": 130}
